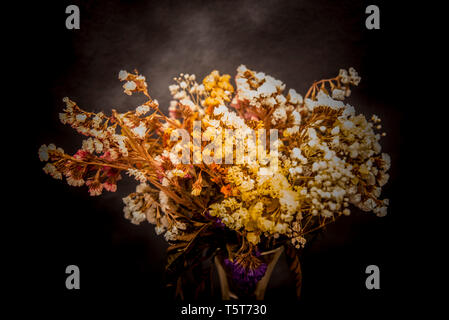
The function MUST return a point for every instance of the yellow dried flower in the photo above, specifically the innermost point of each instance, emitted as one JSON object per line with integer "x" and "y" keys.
{"x": 218, "y": 88}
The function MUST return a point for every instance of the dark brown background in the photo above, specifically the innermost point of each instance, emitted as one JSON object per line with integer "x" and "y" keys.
{"x": 295, "y": 41}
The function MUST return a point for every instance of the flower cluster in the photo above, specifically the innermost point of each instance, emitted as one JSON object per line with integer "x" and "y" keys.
{"x": 329, "y": 158}
{"x": 203, "y": 166}
{"x": 246, "y": 274}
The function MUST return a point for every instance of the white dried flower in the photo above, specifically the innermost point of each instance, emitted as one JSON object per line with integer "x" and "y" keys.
{"x": 338, "y": 94}
{"x": 123, "y": 75}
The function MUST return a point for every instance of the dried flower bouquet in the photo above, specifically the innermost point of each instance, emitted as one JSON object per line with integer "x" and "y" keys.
{"x": 206, "y": 180}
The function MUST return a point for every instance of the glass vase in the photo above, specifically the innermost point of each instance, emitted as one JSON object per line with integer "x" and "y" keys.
{"x": 230, "y": 290}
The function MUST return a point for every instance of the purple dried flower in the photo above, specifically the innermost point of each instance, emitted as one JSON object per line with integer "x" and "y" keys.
{"x": 217, "y": 221}
{"x": 245, "y": 278}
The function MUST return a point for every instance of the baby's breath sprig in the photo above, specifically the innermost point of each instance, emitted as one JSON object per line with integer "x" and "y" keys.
{"x": 339, "y": 86}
